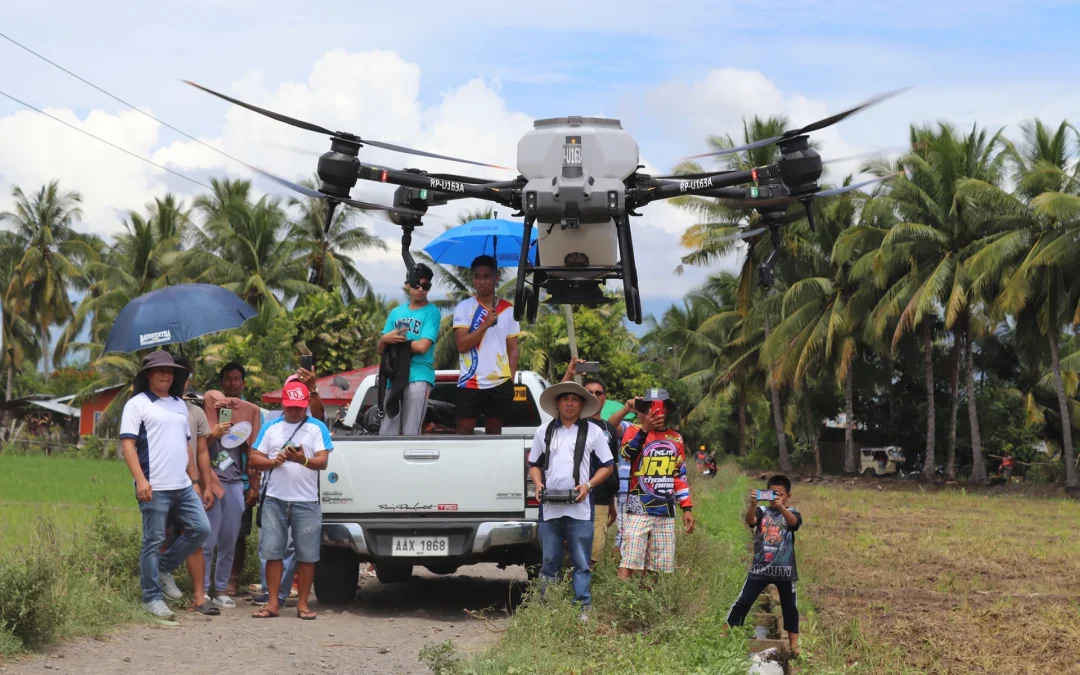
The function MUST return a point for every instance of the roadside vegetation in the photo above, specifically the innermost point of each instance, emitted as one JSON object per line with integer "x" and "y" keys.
{"x": 673, "y": 627}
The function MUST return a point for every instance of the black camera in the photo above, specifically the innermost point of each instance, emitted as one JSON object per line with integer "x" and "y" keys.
{"x": 558, "y": 496}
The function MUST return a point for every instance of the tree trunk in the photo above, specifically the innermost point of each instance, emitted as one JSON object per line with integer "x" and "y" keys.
{"x": 44, "y": 337}
{"x": 814, "y": 432}
{"x": 957, "y": 360}
{"x": 10, "y": 377}
{"x": 742, "y": 423}
{"x": 851, "y": 460}
{"x": 778, "y": 419}
{"x": 928, "y": 373}
{"x": 890, "y": 373}
{"x": 978, "y": 462}
{"x": 1063, "y": 406}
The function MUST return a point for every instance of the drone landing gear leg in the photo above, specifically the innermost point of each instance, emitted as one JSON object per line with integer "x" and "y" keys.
{"x": 523, "y": 270}
{"x": 629, "y": 270}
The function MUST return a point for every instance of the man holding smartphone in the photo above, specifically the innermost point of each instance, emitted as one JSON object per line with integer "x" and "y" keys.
{"x": 292, "y": 450}
{"x": 417, "y": 324}
{"x": 657, "y": 482}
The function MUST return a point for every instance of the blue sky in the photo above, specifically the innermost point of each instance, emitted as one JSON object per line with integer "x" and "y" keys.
{"x": 468, "y": 78}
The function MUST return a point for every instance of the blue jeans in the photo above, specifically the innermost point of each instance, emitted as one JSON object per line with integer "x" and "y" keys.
{"x": 301, "y": 520}
{"x": 578, "y": 535}
{"x": 188, "y": 511}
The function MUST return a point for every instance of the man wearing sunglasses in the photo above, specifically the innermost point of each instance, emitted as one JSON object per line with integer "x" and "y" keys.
{"x": 418, "y": 324}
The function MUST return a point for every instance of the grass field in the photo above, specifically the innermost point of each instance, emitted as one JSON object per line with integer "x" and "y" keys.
{"x": 66, "y": 490}
{"x": 905, "y": 580}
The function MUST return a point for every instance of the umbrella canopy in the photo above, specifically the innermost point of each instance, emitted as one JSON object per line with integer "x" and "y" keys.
{"x": 175, "y": 315}
{"x": 612, "y": 407}
{"x": 495, "y": 237}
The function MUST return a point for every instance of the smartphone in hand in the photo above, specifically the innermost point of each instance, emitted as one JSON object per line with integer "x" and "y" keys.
{"x": 766, "y": 495}
{"x": 225, "y": 415}
{"x": 588, "y": 367}
{"x": 307, "y": 362}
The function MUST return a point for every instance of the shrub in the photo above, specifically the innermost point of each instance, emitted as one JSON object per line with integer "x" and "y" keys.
{"x": 31, "y": 593}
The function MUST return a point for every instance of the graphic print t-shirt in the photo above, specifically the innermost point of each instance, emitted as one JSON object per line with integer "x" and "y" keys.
{"x": 419, "y": 324}
{"x": 657, "y": 472}
{"x": 292, "y": 482}
{"x": 486, "y": 365}
{"x": 774, "y": 546}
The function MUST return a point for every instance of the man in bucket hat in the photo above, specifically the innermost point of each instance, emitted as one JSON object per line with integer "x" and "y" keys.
{"x": 561, "y": 455}
{"x": 154, "y": 435}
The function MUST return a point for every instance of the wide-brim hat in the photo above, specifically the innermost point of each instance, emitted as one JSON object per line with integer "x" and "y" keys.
{"x": 550, "y": 396}
{"x": 161, "y": 359}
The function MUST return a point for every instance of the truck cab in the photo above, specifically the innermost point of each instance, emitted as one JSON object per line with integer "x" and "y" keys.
{"x": 439, "y": 500}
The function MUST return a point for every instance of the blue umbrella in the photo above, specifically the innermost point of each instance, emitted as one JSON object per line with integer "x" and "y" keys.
{"x": 175, "y": 315}
{"x": 498, "y": 238}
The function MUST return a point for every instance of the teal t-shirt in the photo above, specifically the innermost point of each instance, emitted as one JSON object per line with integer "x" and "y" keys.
{"x": 422, "y": 323}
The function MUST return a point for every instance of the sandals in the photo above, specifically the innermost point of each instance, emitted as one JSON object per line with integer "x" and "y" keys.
{"x": 206, "y": 608}
{"x": 265, "y": 614}
{"x": 306, "y": 614}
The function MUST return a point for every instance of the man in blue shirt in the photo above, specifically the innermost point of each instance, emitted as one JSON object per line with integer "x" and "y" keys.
{"x": 417, "y": 323}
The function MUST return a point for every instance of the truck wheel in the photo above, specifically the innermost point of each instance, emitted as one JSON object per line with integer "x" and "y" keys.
{"x": 393, "y": 574}
{"x": 337, "y": 575}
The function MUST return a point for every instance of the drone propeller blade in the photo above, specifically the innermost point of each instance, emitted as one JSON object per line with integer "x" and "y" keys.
{"x": 301, "y": 124}
{"x": 424, "y": 153}
{"x": 866, "y": 155}
{"x": 692, "y": 176}
{"x": 742, "y": 235}
{"x": 848, "y": 188}
{"x": 315, "y": 194}
{"x": 813, "y": 126}
{"x": 293, "y": 149}
{"x": 840, "y": 116}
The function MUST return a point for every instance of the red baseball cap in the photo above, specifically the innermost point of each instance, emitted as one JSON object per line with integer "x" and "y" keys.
{"x": 294, "y": 395}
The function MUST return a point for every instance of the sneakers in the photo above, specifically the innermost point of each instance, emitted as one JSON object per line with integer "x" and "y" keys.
{"x": 159, "y": 609}
{"x": 169, "y": 588}
{"x": 261, "y": 599}
{"x": 224, "y": 602}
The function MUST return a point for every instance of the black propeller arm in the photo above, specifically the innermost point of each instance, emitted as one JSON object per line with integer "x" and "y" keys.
{"x": 692, "y": 186}
{"x": 503, "y": 192}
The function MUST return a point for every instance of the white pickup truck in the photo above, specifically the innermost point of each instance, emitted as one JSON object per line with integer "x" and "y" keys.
{"x": 440, "y": 499}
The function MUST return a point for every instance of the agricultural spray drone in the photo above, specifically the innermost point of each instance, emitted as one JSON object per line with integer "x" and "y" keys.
{"x": 578, "y": 184}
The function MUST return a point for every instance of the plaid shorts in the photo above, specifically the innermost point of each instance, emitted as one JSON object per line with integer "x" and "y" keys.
{"x": 648, "y": 543}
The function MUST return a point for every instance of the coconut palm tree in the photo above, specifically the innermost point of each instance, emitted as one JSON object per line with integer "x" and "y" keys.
{"x": 921, "y": 263}
{"x": 1031, "y": 266}
{"x": 53, "y": 255}
{"x": 246, "y": 248}
{"x": 327, "y": 251}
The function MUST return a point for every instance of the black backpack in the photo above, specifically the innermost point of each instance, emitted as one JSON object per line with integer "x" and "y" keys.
{"x": 579, "y": 448}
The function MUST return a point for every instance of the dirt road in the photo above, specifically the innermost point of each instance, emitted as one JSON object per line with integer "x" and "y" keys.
{"x": 380, "y": 632}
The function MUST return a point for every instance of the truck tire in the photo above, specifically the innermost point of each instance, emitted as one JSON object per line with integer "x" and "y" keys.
{"x": 337, "y": 576}
{"x": 393, "y": 574}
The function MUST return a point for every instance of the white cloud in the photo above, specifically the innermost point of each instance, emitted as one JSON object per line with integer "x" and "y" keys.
{"x": 35, "y": 149}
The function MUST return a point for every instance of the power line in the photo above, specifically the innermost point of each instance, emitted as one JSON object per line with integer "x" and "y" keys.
{"x": 113, "y": 145}
{"x": 117, "y": 98}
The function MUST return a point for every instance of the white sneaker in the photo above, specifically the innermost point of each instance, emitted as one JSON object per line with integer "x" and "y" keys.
{"x": 224, "y": 602}
{"x": 169, "y": 588}
{"x": 159, "y": 609}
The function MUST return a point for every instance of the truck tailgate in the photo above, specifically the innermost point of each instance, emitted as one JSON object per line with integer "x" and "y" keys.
{"x": 425, "y": 475}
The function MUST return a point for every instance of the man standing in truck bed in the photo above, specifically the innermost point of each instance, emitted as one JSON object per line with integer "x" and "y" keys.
{"x": 486, "y": 335}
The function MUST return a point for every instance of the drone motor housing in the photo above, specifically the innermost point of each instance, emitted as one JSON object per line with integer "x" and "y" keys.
{"x": 576, "y": 168}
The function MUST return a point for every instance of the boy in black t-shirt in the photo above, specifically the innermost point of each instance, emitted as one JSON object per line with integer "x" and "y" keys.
{"x": 774, "y": 557}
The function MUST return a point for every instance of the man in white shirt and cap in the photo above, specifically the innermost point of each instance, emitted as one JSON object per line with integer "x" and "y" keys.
{"x": 559, "y": 466}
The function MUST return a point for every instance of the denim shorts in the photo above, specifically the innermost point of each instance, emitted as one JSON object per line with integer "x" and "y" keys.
{"x": 305, "y": 521}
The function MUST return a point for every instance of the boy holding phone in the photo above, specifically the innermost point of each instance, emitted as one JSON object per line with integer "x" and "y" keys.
{"x": 774, "y": 555}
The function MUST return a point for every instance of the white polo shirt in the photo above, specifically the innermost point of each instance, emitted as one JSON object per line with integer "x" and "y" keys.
{"x": 560, "y": 472}
{"x": 292, "y": 482}
{"x": 160, "y": 429}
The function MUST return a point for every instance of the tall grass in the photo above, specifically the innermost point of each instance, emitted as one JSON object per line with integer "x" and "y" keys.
{"x": 671, "y": 627}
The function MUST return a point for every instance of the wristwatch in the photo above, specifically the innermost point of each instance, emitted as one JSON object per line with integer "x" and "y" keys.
{"x": 589, "y": 483}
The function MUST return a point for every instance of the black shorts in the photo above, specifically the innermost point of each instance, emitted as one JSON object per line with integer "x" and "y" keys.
{"x": 489, "y": 403}
{"x": 245, "y": 521}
